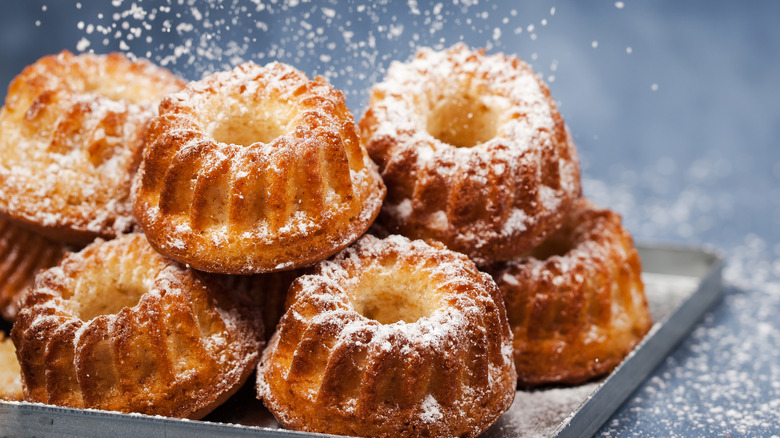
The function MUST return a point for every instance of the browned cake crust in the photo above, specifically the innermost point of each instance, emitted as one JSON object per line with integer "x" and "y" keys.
{"x": 10, "y": 375}
{"x": 254, "y": 170}
{"x": 22, "y": 254}
{"x": 71, "y": 134}
{"x": 119, "y": 327}
{"x": 576, "y": 305}
{"x": 270, "y": 291}
{"x": 473, "y": 152}
{"x": 391, "y": 338}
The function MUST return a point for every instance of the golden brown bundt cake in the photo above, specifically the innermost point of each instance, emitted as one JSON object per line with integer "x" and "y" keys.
{"x": 473, "y": 152}
{"x": 71, "y": 134}
{"x": 22, "y": 254}
{"x": 255, "y": 170}
{"x": 10, "y": 375}
{"x": 119, "y": 327}
{"x": 390, "y": 338}
{"x": 576, "y": 304}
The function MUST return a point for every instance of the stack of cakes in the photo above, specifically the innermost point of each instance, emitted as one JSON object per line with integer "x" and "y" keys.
{"x": 205, "y": 206}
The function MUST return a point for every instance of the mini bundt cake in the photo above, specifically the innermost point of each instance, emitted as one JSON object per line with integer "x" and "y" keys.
{"x": 390, "y": 338}
{"x": 255, "y": 170}
{"x": 10, "y": 374}
{"x": 71, "y": 134}
{"x": 22, "y": 254}
{"x": 473, "y": 152}
{"x": 119, "y": 327}
{"x": 576, "y": 304}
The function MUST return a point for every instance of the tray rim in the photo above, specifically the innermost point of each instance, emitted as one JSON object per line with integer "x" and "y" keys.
{"x": 612, "y": 392}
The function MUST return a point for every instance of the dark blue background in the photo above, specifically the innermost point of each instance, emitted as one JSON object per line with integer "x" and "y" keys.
{"x": 680, "y": 135}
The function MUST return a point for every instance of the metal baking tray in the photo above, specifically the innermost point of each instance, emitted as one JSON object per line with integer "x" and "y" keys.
{"x": 681, "y": 285}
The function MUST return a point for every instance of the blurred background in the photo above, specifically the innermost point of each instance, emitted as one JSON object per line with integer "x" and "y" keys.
{"x": 674, "y": 106}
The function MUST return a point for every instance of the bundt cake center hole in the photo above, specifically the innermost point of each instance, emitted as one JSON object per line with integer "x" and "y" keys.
{"x": 241, "y": 123}
{"x": 102, "y": 290}
{"x": 387, "y": 300}
{"x": 465, "y": 119}
{"x": 106, "y": 299}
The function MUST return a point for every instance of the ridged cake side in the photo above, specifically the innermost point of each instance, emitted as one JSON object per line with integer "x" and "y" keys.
{"x": 254, "y": 170}
{"x": 330, "y": 368}
{"x": 72, "y": 131}
{"x": 268, "y": 292}
{"x": 22, "y": 254}
{"x": 473, "y": 151}
{"x": 576, "y": 305}
{"x": 119, "y": 327}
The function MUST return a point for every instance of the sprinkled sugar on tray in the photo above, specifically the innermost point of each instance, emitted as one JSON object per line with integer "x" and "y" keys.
{"x": 681, "y": 284}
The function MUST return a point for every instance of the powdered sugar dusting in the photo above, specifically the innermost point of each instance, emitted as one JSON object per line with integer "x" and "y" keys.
{"x": 209, "y": 36}
{"x": 538, "y": 414}
{"x": 70, "y": 164}
{"x": 516, "y": 222}
{"x": 402, "y": 210}
{"x": 224, "y": 341}
{"x": 323, "y": 302}
{"x": 722, "y": 379}
{"x": 430, "y": 410}
{"x": 410, "y": 115}
{"x": 716, "y": 381}
{"x": 412, "y": 89}
{"x": 260, "y": 164}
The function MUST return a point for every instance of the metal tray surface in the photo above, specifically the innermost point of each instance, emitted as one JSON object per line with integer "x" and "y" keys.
{"x": 681, "y": 285}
